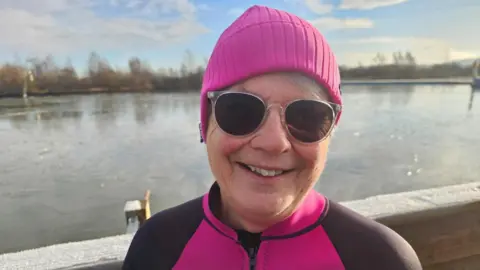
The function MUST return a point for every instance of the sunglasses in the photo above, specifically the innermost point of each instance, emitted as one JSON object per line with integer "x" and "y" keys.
{"x": 241, "y": 114}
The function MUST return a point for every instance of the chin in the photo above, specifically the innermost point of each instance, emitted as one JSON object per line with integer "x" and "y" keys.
{"x": 265, "y": 204}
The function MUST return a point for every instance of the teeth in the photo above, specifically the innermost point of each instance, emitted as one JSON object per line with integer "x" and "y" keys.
{"x": 264, "y": 172}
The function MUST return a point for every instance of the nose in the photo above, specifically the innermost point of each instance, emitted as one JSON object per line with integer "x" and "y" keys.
{"x": 271, "y": 136}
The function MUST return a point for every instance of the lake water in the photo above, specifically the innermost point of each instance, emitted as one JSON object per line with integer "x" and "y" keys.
{"x": 68, "y": 164}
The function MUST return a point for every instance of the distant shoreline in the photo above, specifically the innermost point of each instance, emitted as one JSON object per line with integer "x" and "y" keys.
{"x": 431, "y": 81}
{"x": 88, "y": 92}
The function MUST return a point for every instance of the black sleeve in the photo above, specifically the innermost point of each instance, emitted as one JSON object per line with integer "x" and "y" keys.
{"x": 363, "y": 243}
{"x": 158, "y": 244}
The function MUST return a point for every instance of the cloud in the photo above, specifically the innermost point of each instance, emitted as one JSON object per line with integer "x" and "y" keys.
{"x": 423, "y": 41}
{"x": 45, "y": 6}
{"x": 318, "y": 7}
{"x": 236, "y": 11}
{"x": 460, "y": 55}
{"x": 204, "y": 7}
{"x": 368, "y": 4}
{"x": 133, "y": 4}
{"x": 184, "y": 7}
{"x": 331, "y": 23}
{"x": 68, "y": 26}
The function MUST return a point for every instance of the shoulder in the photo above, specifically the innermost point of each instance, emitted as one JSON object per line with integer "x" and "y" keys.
{"x": 160, "y": 241}
{"x": 363, "y": 243}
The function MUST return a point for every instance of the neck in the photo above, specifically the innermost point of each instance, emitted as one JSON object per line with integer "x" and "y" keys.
{"x": 254, "y": 223}
{"x": 240, "y": 222}
{"x": 244, "y": 220}
{"x": 303, "y": 212}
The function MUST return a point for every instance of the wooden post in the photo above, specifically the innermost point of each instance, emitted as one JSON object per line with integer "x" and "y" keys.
{"x": 146, "y": 205}
{"x": 137, "y": 212}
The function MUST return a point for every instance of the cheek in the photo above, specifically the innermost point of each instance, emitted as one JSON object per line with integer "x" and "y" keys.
{"x": 223, "y": 144}
{"x": 314, "y": 156}
{"x": 220, "y": 147}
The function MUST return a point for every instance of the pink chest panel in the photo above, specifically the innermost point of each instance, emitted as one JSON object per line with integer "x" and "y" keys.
{"x": 210, "y": 250}
{"x": 310, "y": 251}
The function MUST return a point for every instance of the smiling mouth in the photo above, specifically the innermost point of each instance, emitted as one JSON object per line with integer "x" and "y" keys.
{"x": 263, "y": 172}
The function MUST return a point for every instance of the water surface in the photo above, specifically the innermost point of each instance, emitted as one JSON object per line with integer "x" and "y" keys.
{"x": 69, "y": 163}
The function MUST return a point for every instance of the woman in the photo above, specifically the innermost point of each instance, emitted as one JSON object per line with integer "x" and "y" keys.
{"x": 269, "y": 103}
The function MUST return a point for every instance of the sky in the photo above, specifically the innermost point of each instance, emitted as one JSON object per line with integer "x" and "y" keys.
{"x": 161, "y": 31}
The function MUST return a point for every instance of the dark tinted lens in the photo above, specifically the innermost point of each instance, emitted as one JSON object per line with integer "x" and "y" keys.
{"x": 239, "y": 113}
{"x": 309, "y": 120}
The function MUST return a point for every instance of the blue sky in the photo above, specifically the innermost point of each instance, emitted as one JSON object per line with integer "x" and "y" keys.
{"x": 160, "y": 31}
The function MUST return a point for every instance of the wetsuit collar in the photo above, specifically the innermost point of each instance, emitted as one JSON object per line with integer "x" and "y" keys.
{"x": 308, "y": 216}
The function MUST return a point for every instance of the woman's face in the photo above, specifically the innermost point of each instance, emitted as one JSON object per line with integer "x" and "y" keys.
{"x": 243, "y": 191}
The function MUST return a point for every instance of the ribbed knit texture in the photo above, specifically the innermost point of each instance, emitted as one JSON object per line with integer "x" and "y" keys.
{"x": 264, "y": 40}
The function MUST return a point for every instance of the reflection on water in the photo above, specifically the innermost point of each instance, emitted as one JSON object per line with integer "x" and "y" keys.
{"x": 69, "y": 163}
{"x": 104, "y": 110}
{"x": 473, "y": 91}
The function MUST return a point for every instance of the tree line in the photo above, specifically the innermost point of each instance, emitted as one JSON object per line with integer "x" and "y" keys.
{"x": 404, "y": 66}
{"x": 51, "y": 78}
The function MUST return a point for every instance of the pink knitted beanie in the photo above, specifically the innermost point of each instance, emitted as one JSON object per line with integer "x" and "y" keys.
{"x": 264, "y": 40}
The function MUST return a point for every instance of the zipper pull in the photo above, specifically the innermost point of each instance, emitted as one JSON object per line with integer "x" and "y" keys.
{"x": 252, "y": 254}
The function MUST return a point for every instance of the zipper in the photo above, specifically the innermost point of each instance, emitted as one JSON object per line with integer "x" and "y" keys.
{"x": 252, "y": 256}
{"x": 250, "y": 243}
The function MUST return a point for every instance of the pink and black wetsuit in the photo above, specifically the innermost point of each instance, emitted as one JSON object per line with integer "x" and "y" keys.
{"x": 320, "y": 235}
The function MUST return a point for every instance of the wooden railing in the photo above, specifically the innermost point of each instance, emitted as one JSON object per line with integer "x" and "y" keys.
{"x": 447, "y": 238}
